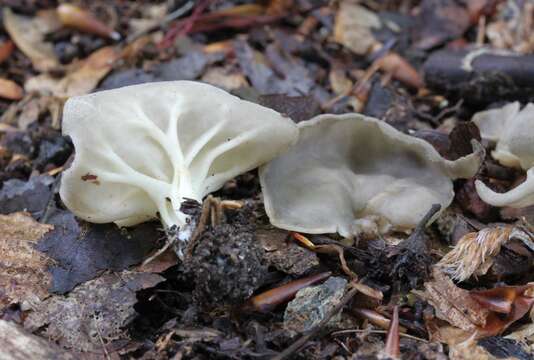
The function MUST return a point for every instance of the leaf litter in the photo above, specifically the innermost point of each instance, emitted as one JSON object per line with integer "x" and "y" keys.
{"x": 419, "y": 66}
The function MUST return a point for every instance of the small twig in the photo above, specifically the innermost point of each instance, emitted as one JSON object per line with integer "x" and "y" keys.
{"x": 50, "y": 203}
{"x": 201, "y": 225}
{"x": 168, "y": 242}
{"x": 343, "y": 346}
{"x": 181, "y": 29}
{"x": 481, "y": 31}
{"x": 166, "y": 20}
{"x": 312, "y": 332}
{"x": 357, "y": 331}
{"x": 392, "y": 348}
{"x": 420, "y": 228}
{"x": 102, "y": 340}
{"x": 435, "y": 120}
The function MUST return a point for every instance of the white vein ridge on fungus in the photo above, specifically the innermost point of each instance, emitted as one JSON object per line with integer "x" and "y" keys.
{"x": 142, "y": 150}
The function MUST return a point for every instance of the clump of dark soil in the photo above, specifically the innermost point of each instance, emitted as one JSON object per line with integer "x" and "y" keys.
{"x": 227, "y": 262}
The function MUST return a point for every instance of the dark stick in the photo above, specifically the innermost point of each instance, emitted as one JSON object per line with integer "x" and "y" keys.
{"x": 420, "y": 228}
{"x": 481, "y": 76}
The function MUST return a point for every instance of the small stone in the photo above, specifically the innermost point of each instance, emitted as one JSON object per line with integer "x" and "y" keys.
{"x": 312, "y": 304}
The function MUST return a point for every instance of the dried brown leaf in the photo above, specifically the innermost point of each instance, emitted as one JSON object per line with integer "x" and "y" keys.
{"x": 82, "y": 77}
{"x": 507, "y": 305}
{"x": 477, "y": 314}
{"x": 10, "y": 90}
{"x": 92, "y": 313}
{"x": 28, "y": 34}
{"x": 224, "y": 78}
{"x": 454, "y": 304}
{"x": 353, "y": 27}
{"x": 23, "y": 270}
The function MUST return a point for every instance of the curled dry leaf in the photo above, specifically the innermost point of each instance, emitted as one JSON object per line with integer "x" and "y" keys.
{"x": 10, "y": 90}
{"x": 28, "y": 35}
{"x": 507, "y": 304}
{"x": 474, "y": 253}
{"x": 23, "y": 269}
{"x": 82, "y": 78}
{"x": 190, "y": 139}
{"x": 77, "y": 18}
{"x": 478, "y": 313}
{"x": 513, "y": 131}
{"x": 346, "y": 167}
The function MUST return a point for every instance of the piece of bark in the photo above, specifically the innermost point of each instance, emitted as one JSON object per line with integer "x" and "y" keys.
{"x": 481, "y": 76}
{"x": 18, "y": 344}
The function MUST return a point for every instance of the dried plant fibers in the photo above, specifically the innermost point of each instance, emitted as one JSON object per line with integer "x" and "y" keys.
{"x": 474, "y": 253}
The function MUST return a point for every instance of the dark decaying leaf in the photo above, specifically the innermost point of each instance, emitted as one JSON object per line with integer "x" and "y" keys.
{"x": 81, "y": 251}
{"x": 188, "y": 67}
{"x": 296, "y": 80}
{"x": 438, "y": 22}
{"x": 504, "y": 348}
{"x": 126, "y": 77}
{"x": 54, "y": 151}
{"x": 94, "y": 313}
{"x": 467, "y": 197}
{"x": 461, "y": 137}
{"x": 380, "y": 100}
{"x": 298, "y": 108}
{"x": 31, "y": 196}
{"x": 284, "y": 254}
